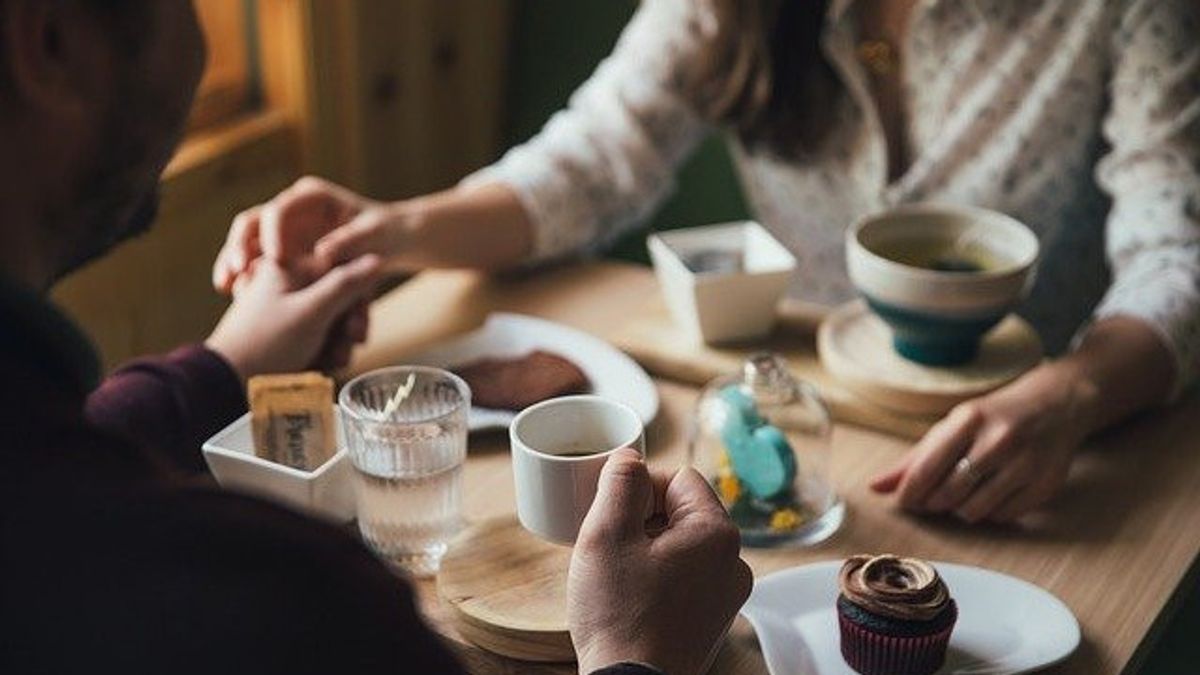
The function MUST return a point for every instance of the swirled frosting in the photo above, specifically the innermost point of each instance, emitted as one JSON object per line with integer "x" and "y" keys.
{"x": 900, "y": 588}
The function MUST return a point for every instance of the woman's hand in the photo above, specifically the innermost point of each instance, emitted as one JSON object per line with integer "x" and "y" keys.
{"x": 1003, "y": 455}
{"x": 313, "y": 225}
{"x": 998, "y": 457}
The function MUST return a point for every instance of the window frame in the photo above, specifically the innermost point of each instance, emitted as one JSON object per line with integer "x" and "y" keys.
{"x": 227, "y": 88}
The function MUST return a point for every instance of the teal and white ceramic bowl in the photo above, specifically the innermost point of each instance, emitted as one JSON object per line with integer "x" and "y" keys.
{"x": 941, "y": 276}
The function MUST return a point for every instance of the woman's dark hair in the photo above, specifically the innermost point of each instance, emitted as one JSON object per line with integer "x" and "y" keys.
{"x": 765, "y": 77}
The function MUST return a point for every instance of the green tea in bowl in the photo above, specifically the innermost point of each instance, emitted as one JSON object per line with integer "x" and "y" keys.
{"x": 964, "y": 255}
{"x": 940, "y": 276}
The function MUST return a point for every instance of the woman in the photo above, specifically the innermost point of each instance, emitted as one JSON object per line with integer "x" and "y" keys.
{"x": 1079, "y": 117}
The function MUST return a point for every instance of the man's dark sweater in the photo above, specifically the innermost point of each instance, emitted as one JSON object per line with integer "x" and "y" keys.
{"x": 120, "y": 555}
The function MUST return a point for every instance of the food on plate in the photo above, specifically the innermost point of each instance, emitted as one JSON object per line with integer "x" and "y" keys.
{"x": 292, "y": 419}
{"x": 517, "y": 383}
{"x": 895, "y": 615}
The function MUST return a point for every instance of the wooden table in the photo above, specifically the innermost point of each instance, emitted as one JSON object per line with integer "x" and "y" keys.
{"x": 1118, "y": 546}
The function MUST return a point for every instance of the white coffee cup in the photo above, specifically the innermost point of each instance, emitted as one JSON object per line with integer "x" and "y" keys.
{"x": 555, "y": 488}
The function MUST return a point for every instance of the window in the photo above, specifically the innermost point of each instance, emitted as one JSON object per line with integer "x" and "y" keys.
{"x": 228, "y": 86}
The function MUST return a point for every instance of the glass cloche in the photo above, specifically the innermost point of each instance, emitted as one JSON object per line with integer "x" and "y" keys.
{"x": 762, "y": 439}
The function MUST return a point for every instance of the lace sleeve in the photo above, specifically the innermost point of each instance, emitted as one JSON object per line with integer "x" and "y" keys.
{"x": 1153, "y": 175}
{"x": 605, "y": 162}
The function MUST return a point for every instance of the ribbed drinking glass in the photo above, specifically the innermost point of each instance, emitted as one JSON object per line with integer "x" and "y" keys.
{"x": 408, "y": 460}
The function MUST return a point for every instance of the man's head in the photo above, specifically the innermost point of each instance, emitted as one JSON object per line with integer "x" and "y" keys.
{"x": 93, "y": 98}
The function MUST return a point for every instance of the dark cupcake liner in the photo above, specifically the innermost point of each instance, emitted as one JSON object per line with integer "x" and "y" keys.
{"x": 872, "y": 653}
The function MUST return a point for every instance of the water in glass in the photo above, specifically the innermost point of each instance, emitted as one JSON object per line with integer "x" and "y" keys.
{"x": 408, "y": 464}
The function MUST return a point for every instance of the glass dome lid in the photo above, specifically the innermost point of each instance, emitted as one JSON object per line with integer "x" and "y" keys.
{"x": 762, "y": 439}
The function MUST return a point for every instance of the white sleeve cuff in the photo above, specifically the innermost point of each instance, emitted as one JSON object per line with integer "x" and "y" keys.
{"x": 1160, "y": 291}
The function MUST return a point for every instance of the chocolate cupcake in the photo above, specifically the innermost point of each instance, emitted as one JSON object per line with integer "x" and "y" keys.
{"x": 895, "y": 615}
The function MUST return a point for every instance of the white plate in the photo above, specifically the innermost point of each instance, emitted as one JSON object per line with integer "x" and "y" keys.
{"x": 1005, "y": 625}
{"x": 612, "y": 374}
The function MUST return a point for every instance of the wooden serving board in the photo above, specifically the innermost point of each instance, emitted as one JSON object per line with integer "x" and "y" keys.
{"x": 856, "y": 347}
{"x": 507, "y": 591}
{"x": 652, "y": 339}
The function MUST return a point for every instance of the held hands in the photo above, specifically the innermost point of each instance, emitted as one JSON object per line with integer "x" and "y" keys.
{"x": 315, "y": 224}
{"x": 312, "y": 225}
{"x": 288, "y": 319}
{"x": 1000, "y": 456}
{"x": 656, "y": 576}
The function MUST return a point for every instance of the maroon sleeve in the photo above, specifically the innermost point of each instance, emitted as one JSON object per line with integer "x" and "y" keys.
{"x": 170, "y": 405}
{"x": 198, "y": 580}
{"x": 628, "y": 669}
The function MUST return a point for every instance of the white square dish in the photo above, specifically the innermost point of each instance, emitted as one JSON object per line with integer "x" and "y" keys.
{"x": 327, "y": 491}
{"x": 722, "y": 305}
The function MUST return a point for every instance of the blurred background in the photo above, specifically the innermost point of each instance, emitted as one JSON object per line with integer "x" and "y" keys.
{"x": 393, "y": 99}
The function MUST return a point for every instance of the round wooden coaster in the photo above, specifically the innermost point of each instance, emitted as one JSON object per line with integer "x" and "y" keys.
{"x": 508, "y": 591}
{"x": 856, "y": 347}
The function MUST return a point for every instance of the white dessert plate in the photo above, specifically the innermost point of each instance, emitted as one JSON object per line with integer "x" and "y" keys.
{"x": 1005, "y": 625}
{"x": 612, "y": 374}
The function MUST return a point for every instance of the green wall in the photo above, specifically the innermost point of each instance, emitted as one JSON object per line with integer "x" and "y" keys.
{"x": 557, "y": 44}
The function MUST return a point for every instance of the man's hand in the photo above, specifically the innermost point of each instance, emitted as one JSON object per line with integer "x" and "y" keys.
{"x": 309, "y": 226}
{"x": 1000, "y": 456}
{"x": 656, "y": 576}
{"x": 280, "y": 322}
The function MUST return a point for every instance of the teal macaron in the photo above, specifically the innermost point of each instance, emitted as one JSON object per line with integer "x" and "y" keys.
{"x": 760, "y": 454}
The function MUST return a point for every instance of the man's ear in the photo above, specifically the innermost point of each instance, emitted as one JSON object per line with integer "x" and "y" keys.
{"x": 56, "y": 56}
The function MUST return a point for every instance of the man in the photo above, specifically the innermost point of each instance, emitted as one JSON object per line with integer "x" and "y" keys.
{"x": 119, "y": 555}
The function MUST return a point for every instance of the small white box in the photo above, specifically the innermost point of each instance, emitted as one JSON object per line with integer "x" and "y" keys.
{"x": 327, "y": 491}
{"x": 722, "y": 305}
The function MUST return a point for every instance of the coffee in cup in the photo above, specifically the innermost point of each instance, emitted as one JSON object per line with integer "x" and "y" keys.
{"x": 559, "y": 447}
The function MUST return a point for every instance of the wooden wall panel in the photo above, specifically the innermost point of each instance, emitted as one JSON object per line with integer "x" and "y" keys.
{"x": 404, "y": 97}
{"x": 429, "y": 105}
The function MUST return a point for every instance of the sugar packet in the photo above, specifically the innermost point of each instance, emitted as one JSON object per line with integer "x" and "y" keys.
{"x": 292, "y": 419}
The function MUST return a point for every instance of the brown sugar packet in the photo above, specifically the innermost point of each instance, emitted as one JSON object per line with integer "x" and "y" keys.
{"x": 292, "y": 419}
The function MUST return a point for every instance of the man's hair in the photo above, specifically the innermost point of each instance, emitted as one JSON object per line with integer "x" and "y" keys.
{"x": 124, "y": 20}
